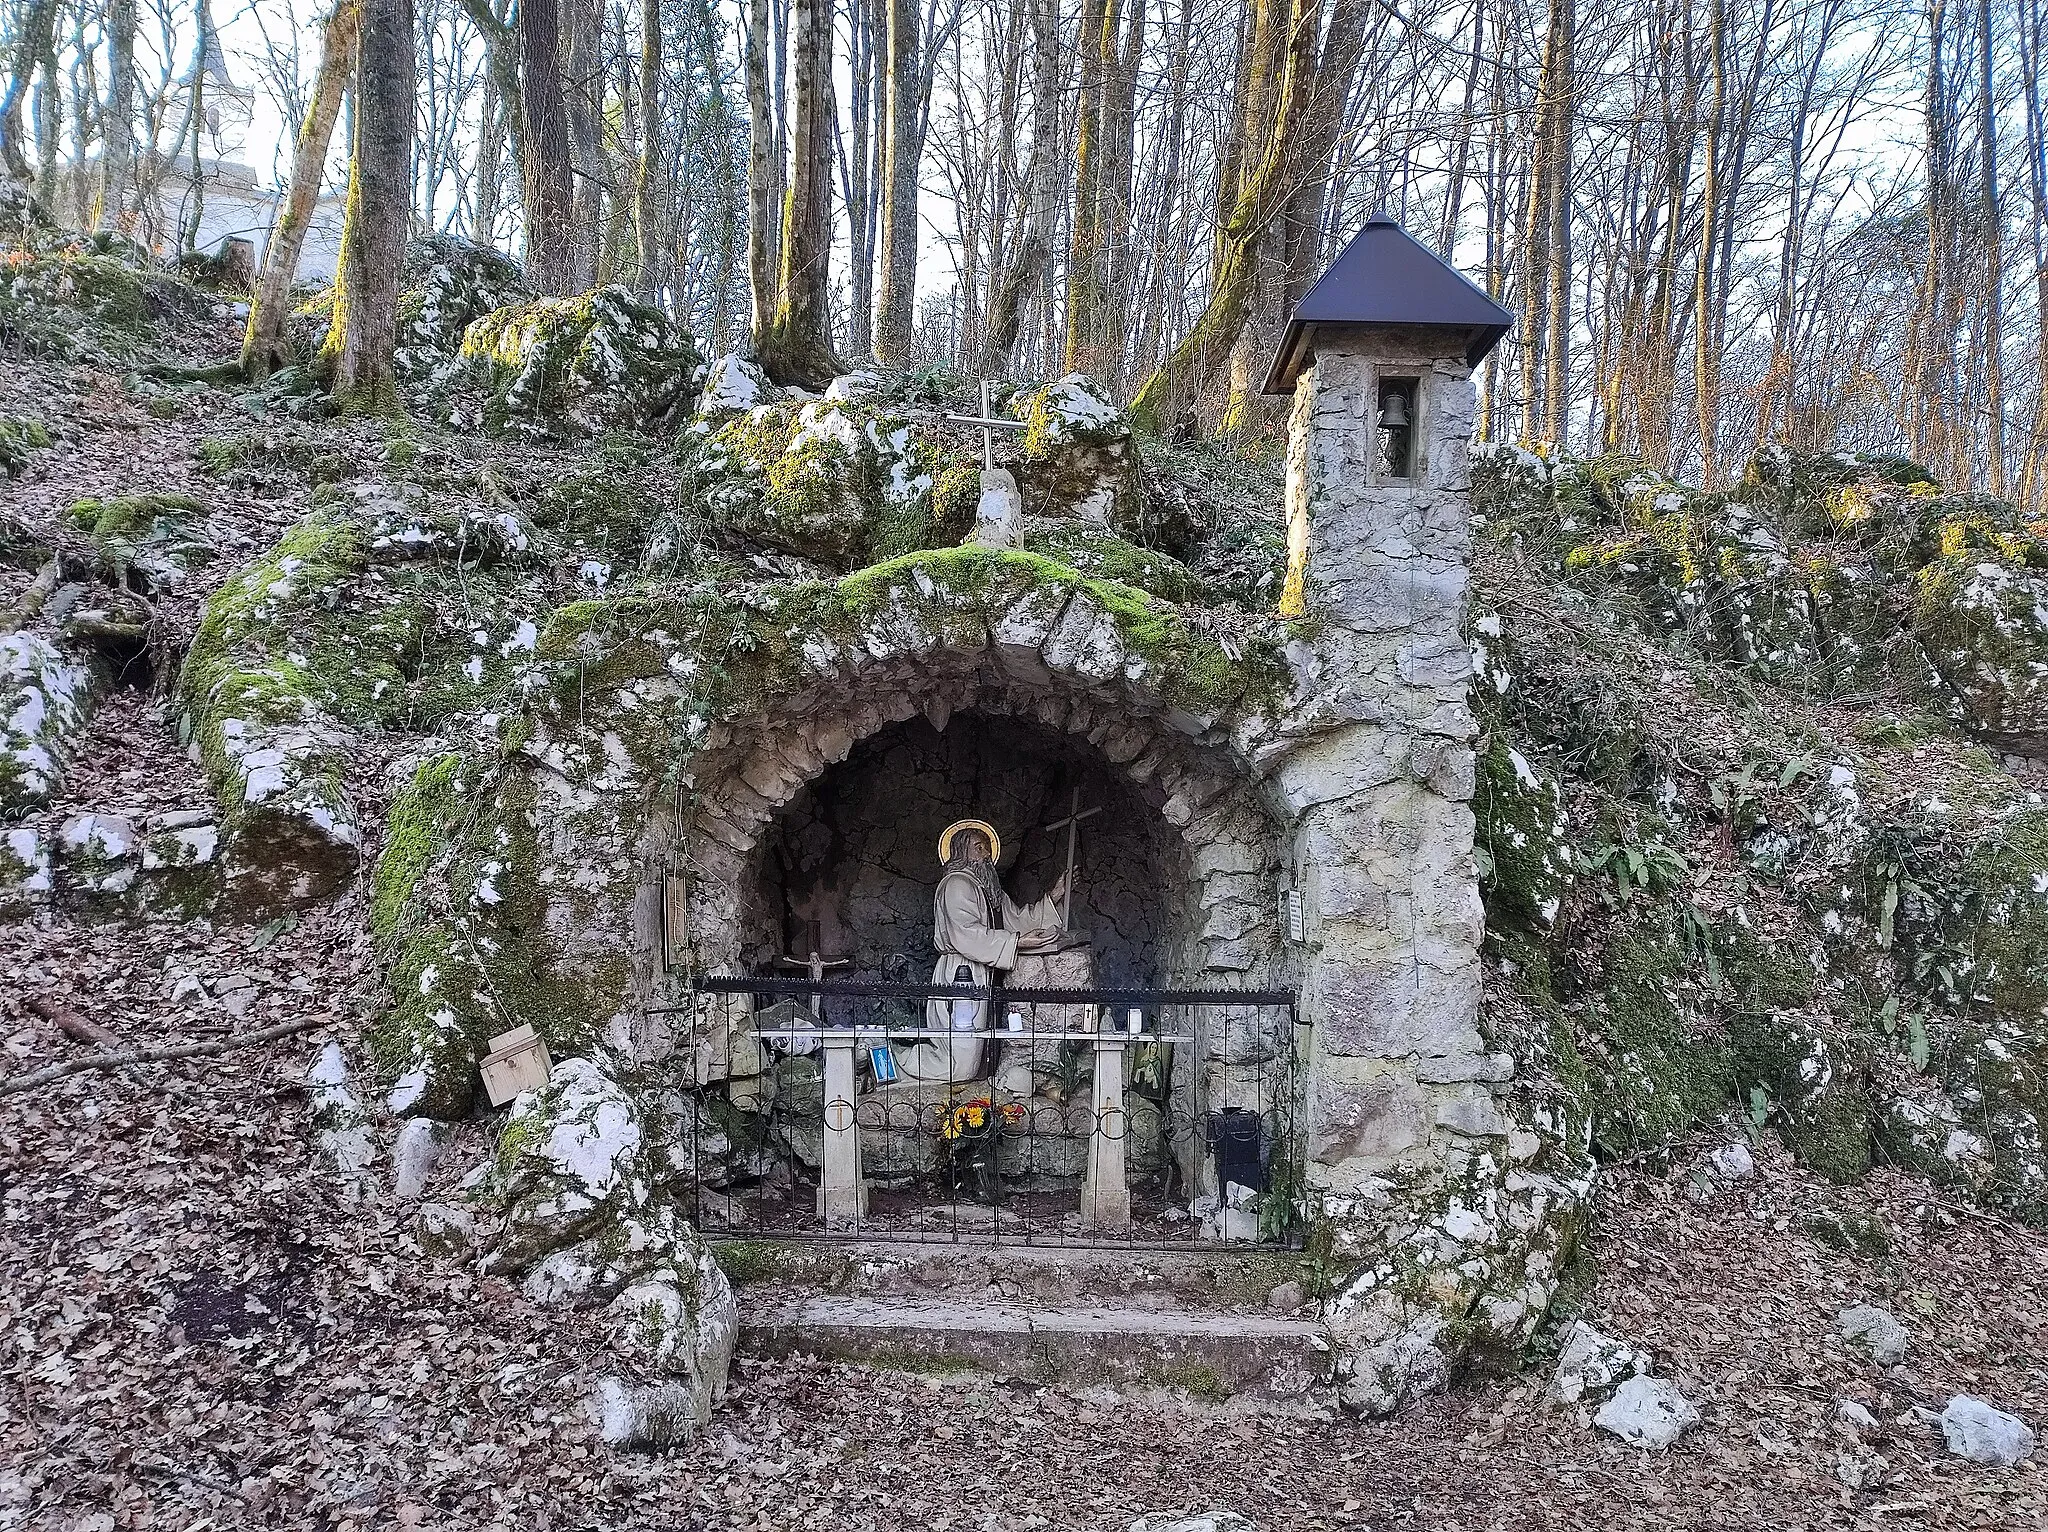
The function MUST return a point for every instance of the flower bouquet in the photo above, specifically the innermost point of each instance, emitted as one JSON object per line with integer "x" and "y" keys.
{"x": 967, "y": 1144}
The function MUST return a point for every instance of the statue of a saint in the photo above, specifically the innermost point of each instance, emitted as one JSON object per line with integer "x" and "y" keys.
{"x": 976, "y": 927}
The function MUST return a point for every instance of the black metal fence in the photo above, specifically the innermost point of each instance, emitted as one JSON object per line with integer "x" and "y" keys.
{"x": 1202, "y": 1137}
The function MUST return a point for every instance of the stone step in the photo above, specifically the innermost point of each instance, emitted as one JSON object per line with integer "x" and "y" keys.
{"x": 1134, "y": 1275}
{"x": 1210, "y": 1354}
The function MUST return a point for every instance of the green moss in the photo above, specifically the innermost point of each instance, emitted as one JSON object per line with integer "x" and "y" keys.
{"x": 580, "y": 366}
{"x": 21, "y": 438}
{"x": 1660, "y": 1067}
{"x": 1526, "y": 861}
{"x": 74, "y": 305}
{"x": 1103, "y": 555}
{"x": 416, "y": 833}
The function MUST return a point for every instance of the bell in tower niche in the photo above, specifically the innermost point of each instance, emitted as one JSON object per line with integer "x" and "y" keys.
{"x": 1396, "y": 427}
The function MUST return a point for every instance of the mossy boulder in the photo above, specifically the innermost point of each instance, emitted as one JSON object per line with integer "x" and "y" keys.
{"x": 1526, "y": 863}
{"x": 450, "y": 284}
{"x": 566, "y": 368}
{"x": 580, "y": 1170}
{"x": 1981, "y": 614}
{"x": 1077, "y": 457}
{"x": 21, "y": 438}
{"x": 837, "y": 481}
{"x": 73, "y": 304}
{"x": 162, "y": 537}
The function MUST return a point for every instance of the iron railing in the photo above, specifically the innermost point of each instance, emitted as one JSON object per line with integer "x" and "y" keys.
{"x": 1209, "y": 1126}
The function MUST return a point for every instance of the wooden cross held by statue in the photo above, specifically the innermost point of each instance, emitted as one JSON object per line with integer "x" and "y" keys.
{"x": 1071, "y": 824}
{"x": 989, "y": 423}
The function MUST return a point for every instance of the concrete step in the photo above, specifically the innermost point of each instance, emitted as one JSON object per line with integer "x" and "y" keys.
{"x": 1125, "y": 1276}
{"x": 1208, "y": 1354}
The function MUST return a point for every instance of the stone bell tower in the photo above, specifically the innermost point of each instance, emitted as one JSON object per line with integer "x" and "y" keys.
{"x": 1379, "y": 780}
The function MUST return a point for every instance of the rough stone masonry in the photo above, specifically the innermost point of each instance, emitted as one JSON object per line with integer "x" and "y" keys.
{"x": 1425, "y": 1174}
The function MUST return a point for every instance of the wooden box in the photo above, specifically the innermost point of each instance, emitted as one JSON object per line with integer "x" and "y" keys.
{"x": 518, "y": 1061}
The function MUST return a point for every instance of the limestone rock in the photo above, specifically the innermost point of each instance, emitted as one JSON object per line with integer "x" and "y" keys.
{"x": 45, "y": 700}
{"x": 1982, "y": 1434}
{"x": 999, "y": 515}
{"x": 1861, "y": 1468}
{"x": 1732, "y": 1162}
{"x": 567, "y": 1149}
{"x": 681, "y": 1322}
{"x": 1077, "y": 447}
{"x": 1874, "y": 1331}
{"x": 450, "y": 284}
{"x": 732, "y": 386}
{"x": 1397, "y": 1370}
{"x": 1856, "y": 1415}
{"x": 24, "y": 869}
{"x": 414, "y": 1156}
{"x": 1647, "y": 1412}
{"x": 1593, "y": 1365}
{"x": 100, "y": 853}
{"x": 1208, "y": 1521}
{"x": 343, "y": 1133}
{"x": 579, "y": 366}
{"x": 444, "y": 1229}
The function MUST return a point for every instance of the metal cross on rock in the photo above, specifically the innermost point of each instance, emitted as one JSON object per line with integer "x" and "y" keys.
{"x": 989, "y": 423}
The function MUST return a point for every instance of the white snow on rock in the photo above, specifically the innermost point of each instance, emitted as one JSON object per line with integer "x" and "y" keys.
{"x": 1876, "y": 1332}
{"x": 594, "y": 1133}
{"x": 1647, "y": 1412}
{"x": 44, "y": 702}
{"x": 1592, "y": 1365}
{"x": 1983, "y": 1434}
{"x": 733, "y": 386}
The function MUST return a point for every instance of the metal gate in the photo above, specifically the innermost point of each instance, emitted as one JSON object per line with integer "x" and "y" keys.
{"x": 1207, "y": 1121}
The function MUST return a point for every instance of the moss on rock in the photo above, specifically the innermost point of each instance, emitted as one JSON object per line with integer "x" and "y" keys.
{"x": 579, "y": 367}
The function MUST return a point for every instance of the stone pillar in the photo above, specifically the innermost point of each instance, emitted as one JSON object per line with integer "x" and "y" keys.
{"x": 1380, "y": 782}
{"x": 842, "y": 1192}
{"x": 1106, "y": 1191}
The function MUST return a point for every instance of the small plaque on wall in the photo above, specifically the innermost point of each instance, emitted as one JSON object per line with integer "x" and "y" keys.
{"x": 1290, "y": 915}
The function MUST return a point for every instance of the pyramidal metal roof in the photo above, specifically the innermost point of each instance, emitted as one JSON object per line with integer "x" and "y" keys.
{"x": 1385, "y": 276}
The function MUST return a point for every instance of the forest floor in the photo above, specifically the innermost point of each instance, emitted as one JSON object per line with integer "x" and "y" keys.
{"x": 201, "y": 1328}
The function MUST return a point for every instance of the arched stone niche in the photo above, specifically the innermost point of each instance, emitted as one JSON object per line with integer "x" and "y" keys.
{"x": 1204, "y": 823}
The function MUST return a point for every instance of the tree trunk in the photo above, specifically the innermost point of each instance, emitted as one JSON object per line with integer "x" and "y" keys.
{"x": 2034, "y": 466}
{"x": 1706, "y": 368}
{"x": 113, "y": 205}
{"x": 646, "y": 190}
{"x": 550, "y": 196}
{"x": 1557, "y": 352}
{"x": 797, "y": 347}
{"x": 1085, "y": 295}
{"x": 902, "y": 148}
{"x": 263, "y": 344}
{"x": 1027, "y": 266}
{"x": 37, "y": 32}
{"x": 583, "y": 95}
{"x": 1170, "y": 392}
{"x": 490, "y": 162}
{"x": 764, "y": 171}
{"x": 360, "y": 340}
{"x": 1993, "y": 214}
{"x": 1119, "y": 156}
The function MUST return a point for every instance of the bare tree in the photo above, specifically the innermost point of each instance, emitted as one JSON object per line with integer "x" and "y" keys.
{"x": 263, "y": 341}
{"x": 357, "y": 354}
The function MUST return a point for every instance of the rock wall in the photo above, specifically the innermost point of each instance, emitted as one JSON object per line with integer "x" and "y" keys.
{"x": 852, "y": 862}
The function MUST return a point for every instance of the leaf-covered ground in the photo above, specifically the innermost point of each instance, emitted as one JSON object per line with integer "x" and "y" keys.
{"x": 199, "y": 1328}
